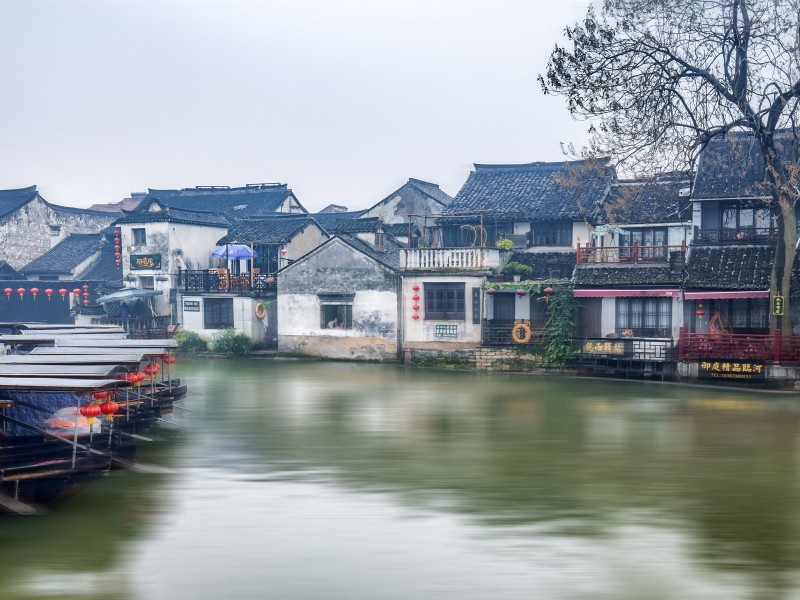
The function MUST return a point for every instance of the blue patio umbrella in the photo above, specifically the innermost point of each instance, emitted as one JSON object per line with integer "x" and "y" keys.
{"x": 234, "y": 251}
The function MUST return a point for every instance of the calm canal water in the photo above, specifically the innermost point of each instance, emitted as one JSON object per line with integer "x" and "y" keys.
{"x": 306, "y": 480}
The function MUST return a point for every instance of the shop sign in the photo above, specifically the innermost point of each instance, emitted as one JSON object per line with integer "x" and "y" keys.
{"x": 732, "y": 370}
{"x": 191, "y": 305}
{"x": 777, "y": 305}
{"x": 142, "y": 262}
{"x": 598, "y": 347}
{"x": 446, "y": 331}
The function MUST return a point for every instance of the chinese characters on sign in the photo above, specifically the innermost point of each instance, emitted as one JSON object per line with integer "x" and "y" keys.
{"x": 731, "y": 370}
{"x": 598, "y": 347}
{"x": 777, "y": 305}
{"x": 141, "y": 262}
{"x": 446, "y": 331}
{"x": 191, "y": 305}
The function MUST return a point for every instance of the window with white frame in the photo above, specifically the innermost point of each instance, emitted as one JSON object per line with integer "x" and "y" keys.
{"x": 645, "y": 317}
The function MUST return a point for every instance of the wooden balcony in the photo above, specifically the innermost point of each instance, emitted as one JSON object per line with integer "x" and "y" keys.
{"x": 219, "y": 281}
{"x": 747, "y": 235}
{"x": 766, "y": 348}
{"x": 444, "y": 259}
{"x": 628, "y": 255}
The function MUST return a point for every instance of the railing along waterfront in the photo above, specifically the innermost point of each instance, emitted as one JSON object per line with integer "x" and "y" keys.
{"x": 747, "y": 235}
{"x": 215, "y": 282}
{"x": 628, "y": 255}
{"x": 139, "y": 327}
{"x": 500, "y": 334}
{"x": 449, "y": 258}
{"x": 774, "y": 348}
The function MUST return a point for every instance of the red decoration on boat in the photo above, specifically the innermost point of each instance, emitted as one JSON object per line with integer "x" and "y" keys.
{"x": 109, "y": 408}
{"x": 34, "y": 291}
{"x": 132, "y": 377}
{"x": 521, "y": 292}
{"x": 90, "y": 411}
{"x": 415, "y": 287}
{"x": 21, "y": 292}
{"x": 491, "y": 291}
{"x": 48, "y": 292}
{"x": 548, "y": 290}
{"x": 8, "y": 292}
{"x": 100, "y": 395}
{"x": 63, "y": 292}
{"x": 168, "y": 358}
{"x": 415, "y": 316}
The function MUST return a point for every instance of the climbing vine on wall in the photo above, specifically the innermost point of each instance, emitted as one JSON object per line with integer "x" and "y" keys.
{"x": 562, "y": 309}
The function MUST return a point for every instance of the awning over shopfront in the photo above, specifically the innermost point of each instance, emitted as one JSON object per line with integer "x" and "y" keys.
{"x": 127, "y": 295}
{"x": 723, "y": 295}
{"x": 617, "y": 293}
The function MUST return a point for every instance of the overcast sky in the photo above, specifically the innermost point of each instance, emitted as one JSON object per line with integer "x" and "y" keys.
{"x": 344, "y": 100}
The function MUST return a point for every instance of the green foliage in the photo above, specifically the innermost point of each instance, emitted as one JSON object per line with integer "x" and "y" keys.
{"x": 562, "y": 309}
{"x": 231, "y": 343}
{"x": 517, "y": 268}
{"x": 190, "y": 343}
{"x": 505, "y": 244}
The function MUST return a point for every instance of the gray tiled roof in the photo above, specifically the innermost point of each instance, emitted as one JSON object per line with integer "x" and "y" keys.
{"x": 626, "y": 275}
{"x": 432, "y": 190}
{"x": 647, "y": 201}
{"x": 64, "y": 256}
{"x": 105, "y": 269}
{"x": 733, "y": 166}
{"x": 11, "y": 200}
{"x": 389, "y": 256}
{"x": 560, "y": 191}
{"x": 540, "y": 261}
{"x": 171, "y": 214}
{"x": 267, "y": 230}
{"x": 235, "y": 203}
{"x": 369, "y": 225}
{"x": 730, "y": 267}
{"x": 329, "y": 221}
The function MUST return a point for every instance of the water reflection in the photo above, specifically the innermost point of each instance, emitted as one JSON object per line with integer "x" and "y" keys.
{"x": 330, "y": 480}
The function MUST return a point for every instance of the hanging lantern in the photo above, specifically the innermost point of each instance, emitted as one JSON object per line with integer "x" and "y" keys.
{"x": 34, "y": 291}
{"x": 521, "y": 292}
{"x": 415, "y": 297}
{"x": 8, "y": 292}
{"x": 109, "y": 408}
{"x": 284, "y": 251}
{"x": 116, "y": 232}
{"x": 48, "y": 292}
{"x": 139, "y": 378}
{"x": 270, "y": 280}
{"x": 85, "y": 294}
{"x": 116, "y": 240}
{"x": 168, "y": 358}
{"x": 548, "y": 290}
{"x": 77, "y": 292}
{"x": 118, "y": 261}
{"x": 415, "y": 287}
{"x": 491, "y": 291}
{"x": 85, "y": 288}
{"x": 415, "y": 307}
{"x": 63, "y": 292}
{"x": 98, "y": 396}
{"x": 21, "y": 292}
{"x": 415, "y": 316}
{"x": 117, "y": 248}
{"x": 90, "y": 411}
{"x": 117, "y": 255}
{"x": 86, "y": 303}
{"x": 132, "y": 377}
{"x": 700, "y": 312}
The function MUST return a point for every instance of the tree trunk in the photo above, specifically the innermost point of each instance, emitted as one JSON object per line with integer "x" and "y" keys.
{"x": 789, "y": 239}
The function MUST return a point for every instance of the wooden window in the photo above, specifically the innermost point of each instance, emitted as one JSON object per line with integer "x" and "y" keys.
{"x": 218, "y": 313}
{"x": 139, "y": 236}
{"x": 647, "y": 317}
{"x": 445, "y": 301}
{"x": 147, "y": 282}
{"x": 551, "y": 233}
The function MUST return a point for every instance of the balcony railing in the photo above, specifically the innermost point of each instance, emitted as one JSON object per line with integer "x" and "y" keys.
{"x": 747, "y": 235}
{"x": 217, "y": 282}
{"x": 773, "y": 348}
{"x": 627, "y": 255}
{"x": 499, "y": 333}
{"x": 433, "y": 259}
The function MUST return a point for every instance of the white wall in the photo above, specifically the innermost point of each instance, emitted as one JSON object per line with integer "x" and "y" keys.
{"x": 423, "y": 330}
{"x": 299, "y": 314}
{"x": 244, "y": 319}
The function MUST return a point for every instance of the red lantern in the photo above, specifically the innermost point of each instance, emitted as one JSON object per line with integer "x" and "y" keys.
{"x": 491, "y": 291}
{"x": 90, "y": 411}
{"x": 415, "y": 287}
{"x": 77, "y": 292}
{"x": 109, "y": 408}
{"x": 270, "y": 280}
{"x": 100, "y": 395}
{"x": 415, "y": 297}
{"x": 117, "y": 248}
{"x": 86, "y": 303}
{"x": 699, "y": 312}
{"x": 85, "y": 288}
{"x": 168, "y": 358}
{"x": 415, "y": 316}
{"x": 85, "y": 294}
{"x": 548, "y": 290}
{"x": 116, "y": 232}
{"x": 21, "y": 292}
{"x": 521, "y": 292}
{"x": 118, "y": 261}
{"x": 8, "y": 292}
{"x": 63, "y": 292}
{"x": 34, "y": 291}
{"x": 117, "y": 255}
{"x": 284, "y": 251}
{"x": 116, "y": 240}
{"x": 48, "y": 292}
